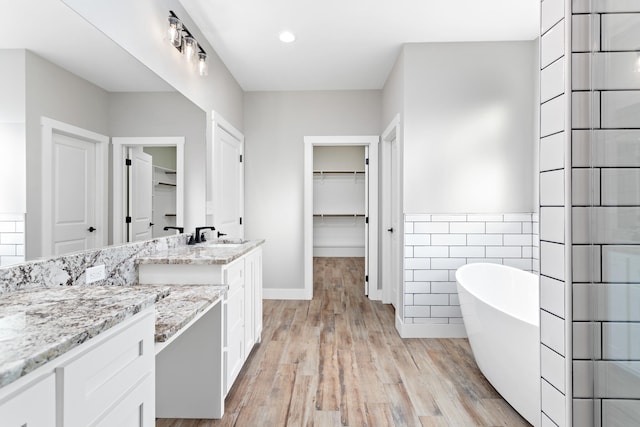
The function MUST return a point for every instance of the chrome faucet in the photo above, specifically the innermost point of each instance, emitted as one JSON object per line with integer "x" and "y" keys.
{"x": 198, "y": 237}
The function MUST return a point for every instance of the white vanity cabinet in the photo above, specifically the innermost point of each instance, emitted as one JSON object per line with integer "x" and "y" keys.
{"x": 241, "y": 320}
{"x": 106, "y": 381}
{"x": 243, "y": 312}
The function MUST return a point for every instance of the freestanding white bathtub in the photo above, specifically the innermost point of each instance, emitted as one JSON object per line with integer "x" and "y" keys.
{"x": 500, "y": 310}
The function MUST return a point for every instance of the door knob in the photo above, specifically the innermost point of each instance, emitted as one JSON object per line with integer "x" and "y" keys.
{"x": 92, "y": 229}
{"x": 390, "y": 230}
{"x": 151, "y": 224}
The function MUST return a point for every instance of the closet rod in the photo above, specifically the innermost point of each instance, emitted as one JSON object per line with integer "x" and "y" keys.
{"x": 338, "y": 215}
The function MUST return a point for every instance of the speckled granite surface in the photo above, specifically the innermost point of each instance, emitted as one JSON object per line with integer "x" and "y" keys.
{"x": 204, "y": 253}
{"x": 37, "y": 326}
{"x": 69, "y": 270}
{"x": 182, "y": 305}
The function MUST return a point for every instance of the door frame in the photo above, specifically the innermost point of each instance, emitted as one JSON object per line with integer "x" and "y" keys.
{"x": 119, "y": 227}
{"x": 391, "y": 133}
{"x": 370, "y": 141}
{"x": 49, "y": 127}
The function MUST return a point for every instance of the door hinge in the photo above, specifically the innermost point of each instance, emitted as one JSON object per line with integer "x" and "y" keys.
{"x": 366, "y": 278}
{"x": 240, "y": 158}
{"x": 127, "y": 162}
{"x": 240, "y": 220}
{"x": 366, "y": 220}
{"x": 128, "y": 220}
{"x": 366, "y": 162}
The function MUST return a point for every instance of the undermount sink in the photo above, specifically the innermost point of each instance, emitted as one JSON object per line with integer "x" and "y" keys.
{"x": 227, "y": 243}
{"x": 223, "y": 245}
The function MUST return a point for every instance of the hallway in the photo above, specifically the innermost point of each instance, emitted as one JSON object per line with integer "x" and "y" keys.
{"x": 338, "y": 360}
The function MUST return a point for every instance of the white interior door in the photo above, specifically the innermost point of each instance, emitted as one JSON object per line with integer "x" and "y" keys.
{"x": 229, "y": 181}
{"x": 391, "y": 238}
{"x": 394, "y": 226}
{"x": 140, "y": 195}
{"x": 367, "y": 255}
{"x": 74, "y": 197}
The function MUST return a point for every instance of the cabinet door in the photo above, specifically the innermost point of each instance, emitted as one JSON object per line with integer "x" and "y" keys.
{"x": 257, "y": 295}
{"x": 249, "y": 291}
{"x": 35, "y": 406}
{"x": 234, "y": 353}
{"x": 253, "y": 293}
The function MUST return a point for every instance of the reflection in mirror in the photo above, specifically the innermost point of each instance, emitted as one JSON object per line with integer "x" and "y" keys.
{"x": 83, "y": 81}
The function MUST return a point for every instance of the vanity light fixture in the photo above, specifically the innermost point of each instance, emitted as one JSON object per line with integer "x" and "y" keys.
{"x": 181, "y": 38}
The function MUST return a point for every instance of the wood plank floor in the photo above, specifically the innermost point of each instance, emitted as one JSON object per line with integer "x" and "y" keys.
{"x": 337, "y": 360}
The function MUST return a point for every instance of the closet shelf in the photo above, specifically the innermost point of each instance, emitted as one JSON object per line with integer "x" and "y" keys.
{"x": 165, "y": 170}
{"x": 169, "y": 214}
{"x": 337, "y": 172}
{"x": 168, "y": 184}
{"x": 339, "y": 215}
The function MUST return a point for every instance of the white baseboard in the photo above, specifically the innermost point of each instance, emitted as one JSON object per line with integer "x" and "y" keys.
{"x": 289, "y": 294}
{"x": 415, "y": 330}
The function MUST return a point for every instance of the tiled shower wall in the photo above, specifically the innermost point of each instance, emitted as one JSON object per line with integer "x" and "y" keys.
{"x": 11, "y": 238}
{"x": 436, "y": 245}
{"x": 606, "y": 213}
{"x": 554, "y": 255}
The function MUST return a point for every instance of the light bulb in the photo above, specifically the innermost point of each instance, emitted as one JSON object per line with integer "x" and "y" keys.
{"x": 190, "y": 48}
{"x": 175, "y": 31}
{"x": 287, "y": 37}
{"x": 203, "y": 69}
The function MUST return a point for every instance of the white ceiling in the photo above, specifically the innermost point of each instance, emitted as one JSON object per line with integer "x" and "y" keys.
{"x": 345, "y": 44}
{"x": 55, "y": 32}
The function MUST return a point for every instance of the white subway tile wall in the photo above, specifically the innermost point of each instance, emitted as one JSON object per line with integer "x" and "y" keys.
{"x": 437, "y": 245}
{"x": 11, "y": 239}
{"x": 605, "y": 213}
{"x": 553, "y": 260}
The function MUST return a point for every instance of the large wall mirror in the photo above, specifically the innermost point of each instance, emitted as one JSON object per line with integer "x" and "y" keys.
{"x": 64, "y": 87}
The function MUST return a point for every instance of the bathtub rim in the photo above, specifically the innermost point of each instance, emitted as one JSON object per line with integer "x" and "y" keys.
{"x": 488, "y": 265}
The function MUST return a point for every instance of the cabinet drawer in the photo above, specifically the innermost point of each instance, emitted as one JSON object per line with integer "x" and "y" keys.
{"x": 95, "y": 380}
{"x": 234, "y": 274}
{"x": 136, "y": 410}
{"x": 34, "y": 406}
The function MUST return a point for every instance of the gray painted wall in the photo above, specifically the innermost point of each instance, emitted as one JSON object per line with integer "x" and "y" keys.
{"x": 469, "y": 127}
{"x": 275, "y": 125}
{"x": 57, "y": 94}
{"x": 12, "y": 131}
{"x": 143, "y": 114}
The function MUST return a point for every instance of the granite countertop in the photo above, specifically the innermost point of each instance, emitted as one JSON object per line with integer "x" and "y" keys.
{"x": 202, "y": 253}
{"x": 37, "y": 326}
{"x": 182, "y": 305}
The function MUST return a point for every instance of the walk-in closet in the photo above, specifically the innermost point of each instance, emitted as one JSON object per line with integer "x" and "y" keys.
{"x": 339, "y": 200}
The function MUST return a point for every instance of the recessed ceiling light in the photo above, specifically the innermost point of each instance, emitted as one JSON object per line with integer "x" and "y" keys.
{"x": 287, "y": 37}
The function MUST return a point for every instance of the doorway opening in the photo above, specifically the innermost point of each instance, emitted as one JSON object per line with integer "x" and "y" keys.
{"x": 148, "y": 187}
{"x": 341, "y": 204}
